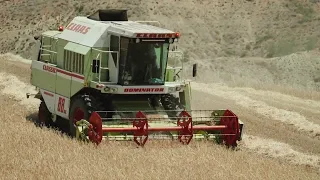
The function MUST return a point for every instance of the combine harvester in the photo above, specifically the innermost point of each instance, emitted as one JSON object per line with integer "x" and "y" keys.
{"x": 110, "y": 78}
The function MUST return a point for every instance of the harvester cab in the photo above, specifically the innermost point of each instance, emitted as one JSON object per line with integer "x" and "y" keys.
{"x": 112, "y": 78}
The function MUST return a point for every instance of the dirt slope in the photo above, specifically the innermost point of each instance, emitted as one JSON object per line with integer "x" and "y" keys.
{"x": 299, "y": 71}
{"x": 210, "y": 28}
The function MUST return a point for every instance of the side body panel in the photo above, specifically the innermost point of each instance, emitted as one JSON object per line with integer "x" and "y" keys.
{"x": 62, "y": 106}
{"x": 63, "y": 84}
{"x": 55, "y": 86}
{"x": 49, "y": 98}
{"x": 56, "y": 104}
{"x": 43, "y": 75}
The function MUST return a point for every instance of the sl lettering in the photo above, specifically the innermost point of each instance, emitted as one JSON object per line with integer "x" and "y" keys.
{"x": 61, "y": 103}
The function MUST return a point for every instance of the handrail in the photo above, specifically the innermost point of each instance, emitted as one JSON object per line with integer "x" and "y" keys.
{"x": 49, "y": 51}
{"x": 177, "y": 52}
{"x": 98, "y": 57}
{"x": 101, "y": 51}
{"x": 180, "y": 60}
{"x": 52, "y": 56}
{"x": 55, "y": 47}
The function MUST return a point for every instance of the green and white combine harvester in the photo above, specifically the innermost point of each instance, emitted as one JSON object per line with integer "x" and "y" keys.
{"x": 111, "y": 79}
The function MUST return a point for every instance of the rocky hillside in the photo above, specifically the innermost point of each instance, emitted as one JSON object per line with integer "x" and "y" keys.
{"x": 210, "y": 28}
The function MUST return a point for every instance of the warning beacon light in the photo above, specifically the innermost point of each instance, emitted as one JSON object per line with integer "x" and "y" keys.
{"x": 177, "y": 35}
{"x": 60, "y": 28}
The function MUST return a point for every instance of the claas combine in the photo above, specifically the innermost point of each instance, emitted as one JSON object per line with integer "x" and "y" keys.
{"x": 115, "y": 79}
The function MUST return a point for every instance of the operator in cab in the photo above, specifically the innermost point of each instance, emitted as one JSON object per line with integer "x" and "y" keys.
{"x": 143, "y": 62}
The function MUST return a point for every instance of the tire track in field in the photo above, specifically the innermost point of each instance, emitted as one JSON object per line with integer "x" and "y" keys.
{"x": 16, "y": 89}
{"x": 14, "y": 58}
{"x": 312, "y": 104}
{"x": 281, "y": 150}
{"x": 12, "y": 85}
{"x": 304, "y": 104}
{"x": 311, "y": 114}
{"x": 285, "y": 116}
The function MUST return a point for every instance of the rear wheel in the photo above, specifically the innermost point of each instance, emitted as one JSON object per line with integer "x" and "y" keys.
{"x": 44, "y": 116}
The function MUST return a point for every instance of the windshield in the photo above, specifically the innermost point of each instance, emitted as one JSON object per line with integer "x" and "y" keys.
{"x": 142, "y": 63}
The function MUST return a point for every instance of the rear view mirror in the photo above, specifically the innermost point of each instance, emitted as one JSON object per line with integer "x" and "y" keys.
{"x": 95, "y": 66}
{"x": 194, "y": 70}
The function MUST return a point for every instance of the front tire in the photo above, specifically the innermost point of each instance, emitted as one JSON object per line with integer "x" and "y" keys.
{"x": 81, "y": 108}
{"x": 172, "y": 104}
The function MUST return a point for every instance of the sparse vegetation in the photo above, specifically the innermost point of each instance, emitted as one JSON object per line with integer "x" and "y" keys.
{"x": 264, "y": 38}
{"x": 186, "y": 56}
{"x": 311, "y": 43}
{"x": 281, "y": 48}
{"x": 79, "y": 8}
{"x": 306, "y": 11}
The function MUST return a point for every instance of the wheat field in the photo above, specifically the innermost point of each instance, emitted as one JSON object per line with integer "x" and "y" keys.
{"x": 29, "y": 152}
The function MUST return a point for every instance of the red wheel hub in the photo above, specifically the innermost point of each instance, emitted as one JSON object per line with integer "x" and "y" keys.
{"x": 78, "y": 115}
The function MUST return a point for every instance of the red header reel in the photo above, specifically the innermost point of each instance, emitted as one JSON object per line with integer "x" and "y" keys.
{"x": 228, "y": 128}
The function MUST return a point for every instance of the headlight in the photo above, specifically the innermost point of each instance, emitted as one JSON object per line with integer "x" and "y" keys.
{"x": 171, "y": 89}
{"x": 114, "y": 90}
{"x": 106, "y": 89}
{"x": 110, "y": 90}
{"x": 179, "y": 88}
